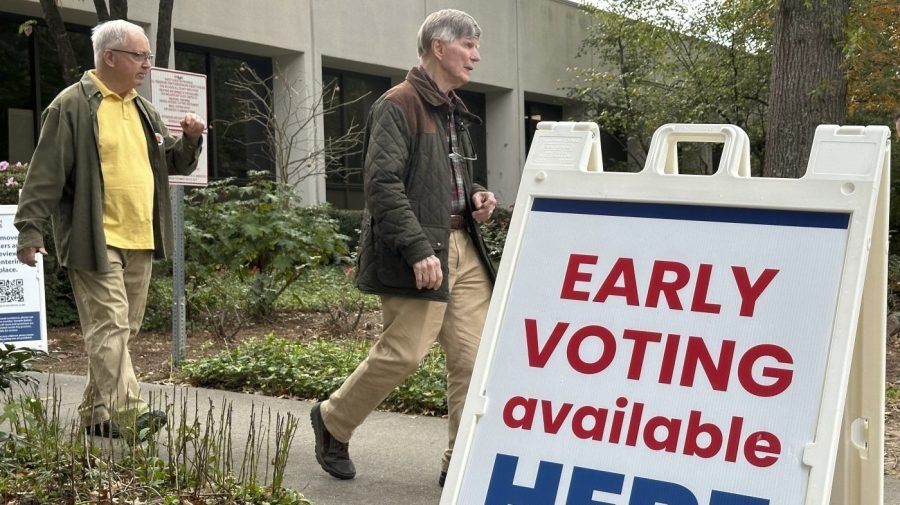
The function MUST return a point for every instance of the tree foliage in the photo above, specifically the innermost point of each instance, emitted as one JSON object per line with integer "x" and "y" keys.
{"x": 678, "y": 62}
{"x": 873, "y": 59}
{"x": 711, "y": 62}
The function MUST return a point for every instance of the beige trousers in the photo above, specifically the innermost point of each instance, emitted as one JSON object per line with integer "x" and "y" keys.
{"x": 111, "y": 308}
{"x": 411, "y": 327}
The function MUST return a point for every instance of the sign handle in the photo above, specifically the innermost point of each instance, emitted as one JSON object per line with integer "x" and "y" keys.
{"x": 663, "y": 155}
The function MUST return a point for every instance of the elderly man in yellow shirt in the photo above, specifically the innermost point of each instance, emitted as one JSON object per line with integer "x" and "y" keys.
{"x": 99, "y": 175}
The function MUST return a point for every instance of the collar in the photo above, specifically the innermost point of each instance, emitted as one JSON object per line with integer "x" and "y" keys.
{"x": 106, "y": 92}
{"x": 430, "y": 93}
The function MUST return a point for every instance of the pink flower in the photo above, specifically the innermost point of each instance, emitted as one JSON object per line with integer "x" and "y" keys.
{"x": 4, "y": 165}
{"x": 19, "y": 164}
{"x": 11, "y": 182}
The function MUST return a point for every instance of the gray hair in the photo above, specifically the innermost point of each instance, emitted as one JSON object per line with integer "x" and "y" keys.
{"x": 112, "y": 35}
{"x": 447, "y": 25}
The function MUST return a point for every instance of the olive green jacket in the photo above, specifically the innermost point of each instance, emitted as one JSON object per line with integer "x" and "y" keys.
{"x": 408, "y": 188}
{"x": 64, "y": 185}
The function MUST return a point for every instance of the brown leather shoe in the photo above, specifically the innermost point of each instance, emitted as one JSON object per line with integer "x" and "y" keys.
{"x": 332, "y": 454}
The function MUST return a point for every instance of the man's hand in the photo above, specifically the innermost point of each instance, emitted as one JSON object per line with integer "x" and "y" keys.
{"x": 192, "y": 127}
{"x": 428, "y": 273}
{"x": 484, "y": 203}
{"x": 27, "y": 255}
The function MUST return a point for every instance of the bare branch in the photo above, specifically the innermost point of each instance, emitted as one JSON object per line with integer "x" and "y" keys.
{"x": 287, "y": 125}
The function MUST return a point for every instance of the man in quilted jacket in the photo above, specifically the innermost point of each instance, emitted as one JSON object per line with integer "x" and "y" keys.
{"x": 421, "y": 249}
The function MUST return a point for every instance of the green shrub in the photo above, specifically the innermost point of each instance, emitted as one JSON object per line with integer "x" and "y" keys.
{"x": 14, "y": 362}
{"x": 260, "y": 233}
{"x": 12, "y": 177}
{"x": 158, "y": 314}
{"x": 893, "y": 294}
{"x": 349, "y": 223}
{"x": 494, "y": 232}
{"x": 322, "y": 288}
{"x": 312, "y": 370}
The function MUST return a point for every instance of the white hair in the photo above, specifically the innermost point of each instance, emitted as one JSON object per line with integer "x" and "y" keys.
{"x": 112, "y": 35}
{"x": 447, "y": 25}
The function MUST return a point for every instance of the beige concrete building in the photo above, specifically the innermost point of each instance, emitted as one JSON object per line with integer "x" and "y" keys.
{"x": 352, "y": 46}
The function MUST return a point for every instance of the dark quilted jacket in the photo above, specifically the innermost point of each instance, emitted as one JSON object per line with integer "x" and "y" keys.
{"x": 407, "y": 188}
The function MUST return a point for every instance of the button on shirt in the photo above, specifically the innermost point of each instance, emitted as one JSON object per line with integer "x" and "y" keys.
{"x": 127, "y": 176}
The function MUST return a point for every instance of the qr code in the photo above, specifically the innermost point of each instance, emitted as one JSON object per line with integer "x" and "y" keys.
{"x": 12, "y": 291}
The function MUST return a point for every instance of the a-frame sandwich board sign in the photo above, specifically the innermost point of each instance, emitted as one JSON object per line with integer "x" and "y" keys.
{"x": 662, "y": 338}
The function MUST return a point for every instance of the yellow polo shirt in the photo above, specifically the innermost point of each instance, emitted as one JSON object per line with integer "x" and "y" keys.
{"x": 127, "y": 176}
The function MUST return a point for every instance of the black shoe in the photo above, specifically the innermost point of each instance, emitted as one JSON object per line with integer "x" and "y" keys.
{"x": 332, "y": 454}
{"x": 103, "y": 429}
{"x": 442, "y": 479}
{"x": 148, "y": 423}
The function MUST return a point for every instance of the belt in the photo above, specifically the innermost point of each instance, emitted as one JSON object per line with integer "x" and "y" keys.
{"x": 457, "y": 222}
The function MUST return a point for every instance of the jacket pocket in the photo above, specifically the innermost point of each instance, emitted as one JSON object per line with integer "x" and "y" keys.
{"x": 394, "y": 271}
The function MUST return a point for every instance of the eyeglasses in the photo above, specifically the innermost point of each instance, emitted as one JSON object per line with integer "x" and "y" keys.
{"x": 136, "y": 56}
{"x": 455, "y": 157}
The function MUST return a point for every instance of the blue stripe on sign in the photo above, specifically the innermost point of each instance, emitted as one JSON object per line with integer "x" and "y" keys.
{"x": 806, "y": 219}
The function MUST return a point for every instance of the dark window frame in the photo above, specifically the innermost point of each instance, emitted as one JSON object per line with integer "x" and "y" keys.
{"x": 263, "y": 66}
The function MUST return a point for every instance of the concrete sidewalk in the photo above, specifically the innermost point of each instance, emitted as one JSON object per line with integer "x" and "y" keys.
{"x": 397, "y": 456}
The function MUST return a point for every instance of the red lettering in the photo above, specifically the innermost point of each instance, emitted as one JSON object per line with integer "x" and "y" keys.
{"x": 573, "y": 275}
{"x": 699, "y": 303}
{"x": 782, "y": 376}
{"x": 595, "y": 432}
{"x": 750, "y": 292}
{"x": 668, "y": 288}
{"x": 762, "y": 442}
{"x": 734, "y": 439}
{"x": 641, "y": 338}
{"x": 528, "y": 405}
{"x": 615, "y": 432}
{"x": 634, "y": 424}
{"x": 623, "y": 269}
{"x": 606, "y": 356}
{"x": 538, "y": 356}
{"x": 691, "y": 439}
{"x": 553, "y": 423}
{"x": 671, "y": 426}
{"x": 667, "y": 367}
{"x": 697, "y": 352}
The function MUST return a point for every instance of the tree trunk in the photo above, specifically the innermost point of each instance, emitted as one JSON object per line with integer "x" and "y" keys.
{"x": 808, "y": 83}
{"x": 118, "y": 9}
{"x": 164, "y": 33}
{"x": 102, "y": 11}
{"x": 71, "y": 71}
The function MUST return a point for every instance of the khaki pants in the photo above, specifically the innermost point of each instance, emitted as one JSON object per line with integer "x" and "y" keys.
{"x": 411, "y": 327}
{"x": 111, "y": 308}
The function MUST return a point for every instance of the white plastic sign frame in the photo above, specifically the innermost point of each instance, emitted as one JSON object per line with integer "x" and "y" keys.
{"x": 667, "y": 338}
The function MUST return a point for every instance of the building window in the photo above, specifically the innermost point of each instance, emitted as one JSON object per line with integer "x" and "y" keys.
{"x": 344, "y": 179}
{"x": 535, "y": 112}
{"x": 475, "y": 102}
{"x": 613, "y": 147}
{"x": 235, "y": 147}
{"x": 30, "y": 79}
